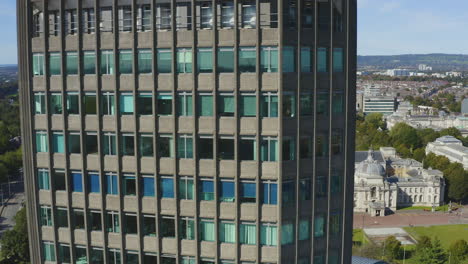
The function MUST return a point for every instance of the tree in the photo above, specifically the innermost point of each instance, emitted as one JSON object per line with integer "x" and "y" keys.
{"x": 458, "y": 251}
{"x": 424, "y": 242}
{"x": 376, "y": 120}
{"x": 392, "y": 248}
{"x": 427, "y": 135}
{"x": 419, "y": 154}
{"x": 433, "y": 254}
{"x": 15, "y": 246}
{"x": 451, "y": 131}
{"x": 404, "y": 134}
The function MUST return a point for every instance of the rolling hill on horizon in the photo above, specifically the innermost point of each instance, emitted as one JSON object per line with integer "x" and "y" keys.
{"x": 439, "y": 61}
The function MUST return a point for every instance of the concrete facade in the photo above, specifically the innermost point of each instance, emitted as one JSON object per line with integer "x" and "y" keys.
{"x": 75, "y": 220}
{"x": 451, "y": 148}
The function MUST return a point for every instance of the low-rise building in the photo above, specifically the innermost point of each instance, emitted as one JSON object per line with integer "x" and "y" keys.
{"x": 379, "y": 104}
{"x": 450, "y": 148}
{"x": 384, "y": 182}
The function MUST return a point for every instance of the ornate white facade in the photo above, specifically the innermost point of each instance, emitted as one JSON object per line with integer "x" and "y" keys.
{"x": 384, "y": 182}
{"x": 451, "y": 148}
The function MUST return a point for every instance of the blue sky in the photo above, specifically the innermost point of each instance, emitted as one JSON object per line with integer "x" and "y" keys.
{"x": 385, "y": 27}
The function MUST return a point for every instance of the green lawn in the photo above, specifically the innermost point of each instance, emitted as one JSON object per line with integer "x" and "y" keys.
{"x": 446, "y": 233}
{"x": 421, "y": 208}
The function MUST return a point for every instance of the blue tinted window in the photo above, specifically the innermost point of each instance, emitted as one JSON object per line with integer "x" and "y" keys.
{"x": 93, "y": 181}
{"x": 77, "y": 182}
{"x": 227, "y": 191}
{"x": 148, "y": 186}
{"x": 167, "y": 188}
{"x": 206, "y": 190}
{"x": 248, "y": 192}
{"x": 111, "y": 184}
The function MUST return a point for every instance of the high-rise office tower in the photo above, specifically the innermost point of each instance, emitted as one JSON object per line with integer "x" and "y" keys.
{"x": 160, "y": 131}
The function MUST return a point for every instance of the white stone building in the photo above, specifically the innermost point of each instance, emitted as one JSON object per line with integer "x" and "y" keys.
{"x": 451, "y": 148}
{"x": 384, "y": 182}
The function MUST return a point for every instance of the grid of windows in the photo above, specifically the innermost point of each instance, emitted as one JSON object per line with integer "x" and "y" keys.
{"x": 224, "y": 147}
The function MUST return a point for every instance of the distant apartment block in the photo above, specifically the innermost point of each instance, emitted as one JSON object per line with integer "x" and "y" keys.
{"x": 379, "y": 104}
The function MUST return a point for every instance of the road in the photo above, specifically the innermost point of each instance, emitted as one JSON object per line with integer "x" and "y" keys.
{"x": 10, "y": 208}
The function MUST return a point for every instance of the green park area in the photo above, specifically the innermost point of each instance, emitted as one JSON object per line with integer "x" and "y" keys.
{"x": 444, "y": 244}
{"x": 445, "y": 233}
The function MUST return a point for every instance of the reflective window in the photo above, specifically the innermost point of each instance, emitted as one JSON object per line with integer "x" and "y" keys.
{"x": 164, "y": 60}
{"x": 41, "y": 141}
{"x": 73, "y": 103}
{"x": 55, "y": 63}
{"x": 145, "y": 61}
{"x": 247, "y": 59}
{"x": 125, "y": 61}
{"x": 71, "y": 63}
{"x": 205, "y": 60}
{"x": 225, "y": 59}
{"x": 186, "y": 188}
{"x": 226, "y": 148}
{"x": 126, "y": 104}
{"x": 205, "y": 104}
{"x": 187, "y": 226}
{"x": 227, "y": 14}
{"x": 125, "y": 18}
{"x": 306, "y": 59}
{"x": 184, "y": 104}
{"x": 248, "y": 105}
{"x": 205, "y": 147}
{"x": 226, "y": 106}
{"x": 269, "y": 149}
{"x": 107, "y": 62}
{"x": 184, "y": 60}
{"x": 43, "y": 179}
{"x": 146, "y": 145}
{"x": 167, "y": 187}
{"x": 248, "y": 192}
{"x": 248, "y": 12}
{"x": 227, "y": 191}
{"x": 185, "y": 146}
{"x": 248, "y": 233}
{"x": 247, "y": 149}
{"x": 206, "y": 190}
{"x": 106, "y": 19}
{"x": 38, "y": 63}
{"x": 39, "y": 103}
{"x": 227, "y": 232}
{"x": 269, "y": 59}
{"x": 268, "y": 234}
{"x": 322, "y": 60}
{"x": 207, "y": 230}
{"x": 58, "y": 142}
{"x": 164, "y": 104}
{"x": 269, "y": 105}
{"x": 56, "y": 103}
{"x": 270, "y": 192}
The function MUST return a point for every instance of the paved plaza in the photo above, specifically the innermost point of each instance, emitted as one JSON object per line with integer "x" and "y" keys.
{"x": 411, "y": 218}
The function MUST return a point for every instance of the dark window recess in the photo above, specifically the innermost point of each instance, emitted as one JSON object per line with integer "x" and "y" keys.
{"x": 226, "y": 149}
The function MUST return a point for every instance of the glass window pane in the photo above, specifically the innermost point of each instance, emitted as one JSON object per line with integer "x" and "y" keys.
{"x": 146, "y": 145}
{"x": 55, "y": 63}
{"x": 338, "y": 60}
{"x": 164, "y": 57}
{"x": 77, "y": 182}
{"x": 107, "y": 62}
{"x": 125, "y": 62}
{"x": 72, "y": 63}
{"x": 126, "y": 104}
{"x": 74, "y": 143}
{"x": 89, "y": 62}
{"x": 205, "y": 60}
{"x": 164, "y": 104}
{"x": 55, "y": 104}
{"x": 129, "y": 185}
{"x": 227, "y": 191}
{"x": 145, "y": 61}
{"x": 167, "y": 188}
{"x": 248, "y": 105}
{"x": 38, "y": 64}
{"x": 247, "y": 59}
{"x": 226, "y": 105}
{"x": 205, "y": 105}
{"x": 225, "y": 60}
{"x": 94, "y": 183}
{"x": 322, "y": 59}
{"x": 248, "y": 234}
{"x": 206, "y": 190}
{"x": 289, "y": 59}
{"x": 227, "y": 232}
{"x": 269, "y": 59}
{"x": 306, "y": 60}
{"x": 207, "y": 231}
{"x": 248, "y": 192}
{"x": 58, "y": 142}
{"x": 73, "y": 104}
{"x": 148, "y": 186}
{"x": 184, "y": 60}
